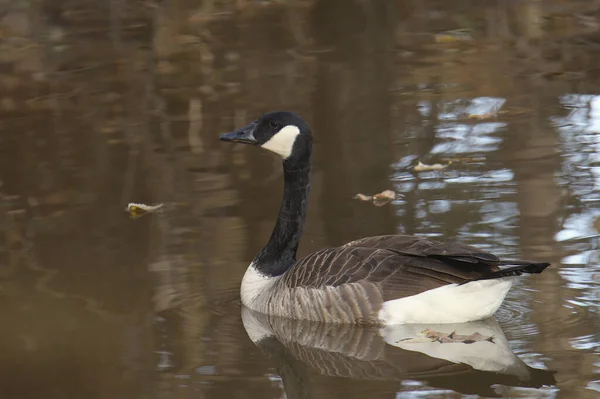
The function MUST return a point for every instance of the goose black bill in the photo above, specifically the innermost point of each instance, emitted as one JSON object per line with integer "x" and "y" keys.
{"x": 244, "y": 135}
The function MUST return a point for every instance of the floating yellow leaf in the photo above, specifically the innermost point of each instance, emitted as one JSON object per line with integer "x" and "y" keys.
{"x": 138, "y": 210}
{"x": 422, "y": 167}
{"x": 452, "y": 36}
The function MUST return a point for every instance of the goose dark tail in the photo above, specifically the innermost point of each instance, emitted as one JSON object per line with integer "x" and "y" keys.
{"x": 521, "y": 268}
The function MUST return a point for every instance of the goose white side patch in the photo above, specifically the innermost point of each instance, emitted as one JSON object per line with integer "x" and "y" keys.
{"x": 283, "y": 141}
{"x": 253, "y": 285}
{"x": 450, "y": 303}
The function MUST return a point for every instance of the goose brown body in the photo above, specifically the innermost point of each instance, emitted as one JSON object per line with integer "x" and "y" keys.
{"x": 351, "y": 283}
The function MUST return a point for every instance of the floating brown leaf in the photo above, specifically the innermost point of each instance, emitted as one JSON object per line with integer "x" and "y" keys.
{"x": 385, "y": 195}
{"x": 363, "y": 197}
{"x": 378, "y": 199}
{"x": 422, "y": 167}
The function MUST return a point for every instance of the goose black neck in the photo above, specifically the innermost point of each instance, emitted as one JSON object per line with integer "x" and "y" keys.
{"x": 280, "y": 252}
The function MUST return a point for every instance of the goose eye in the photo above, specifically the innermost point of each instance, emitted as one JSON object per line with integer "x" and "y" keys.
{"x": 274, "y": 124}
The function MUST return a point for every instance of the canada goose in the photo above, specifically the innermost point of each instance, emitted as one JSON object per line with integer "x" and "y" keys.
{"x": 383, "y": 280}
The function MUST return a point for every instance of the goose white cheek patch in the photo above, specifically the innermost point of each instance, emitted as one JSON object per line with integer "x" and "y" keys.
{"x": 282, "y": 142}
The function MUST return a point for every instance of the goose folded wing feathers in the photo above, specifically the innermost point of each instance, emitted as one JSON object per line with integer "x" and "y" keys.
{"x": 424, "y": 247}
{"x": 400, "y": 266}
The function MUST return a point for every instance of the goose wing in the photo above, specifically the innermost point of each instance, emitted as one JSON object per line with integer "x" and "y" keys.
{"x": 400, "y": 266}
{"x": 424, "y": 247}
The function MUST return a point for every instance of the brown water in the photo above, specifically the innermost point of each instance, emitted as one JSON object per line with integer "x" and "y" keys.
{"x": 105, "y": 103}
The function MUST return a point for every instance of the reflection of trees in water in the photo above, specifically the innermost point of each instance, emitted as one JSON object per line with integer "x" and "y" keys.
{"x": 96, "y": 103}
{"x": 352, "y": 115}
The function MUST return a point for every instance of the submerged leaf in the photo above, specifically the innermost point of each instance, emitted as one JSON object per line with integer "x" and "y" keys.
{"x": 483, "y": 116}
{"x": 515, "y": 111}
{"x": 464, "y": 159}
{"x": 421, "y": 167}
{"x": 456, "y": 338}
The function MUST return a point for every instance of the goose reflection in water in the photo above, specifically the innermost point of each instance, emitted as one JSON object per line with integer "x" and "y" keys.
{"x": 468, "y": 358}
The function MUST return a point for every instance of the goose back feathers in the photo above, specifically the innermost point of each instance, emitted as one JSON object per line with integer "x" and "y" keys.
{"x": 401, "y": 265}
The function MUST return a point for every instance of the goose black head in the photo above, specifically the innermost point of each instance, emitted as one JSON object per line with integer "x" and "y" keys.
{"x": 284, "y": 133}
